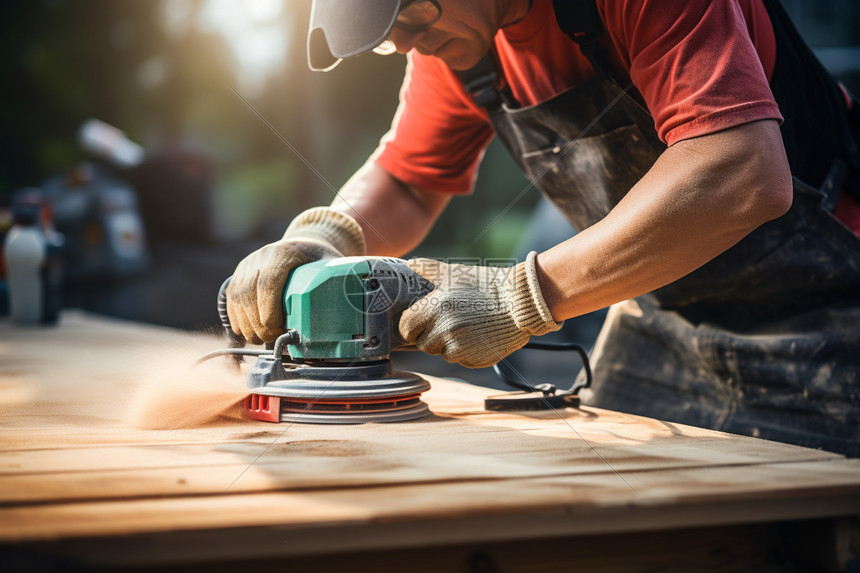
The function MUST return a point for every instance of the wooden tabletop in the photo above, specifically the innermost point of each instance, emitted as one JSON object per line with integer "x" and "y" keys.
{"x": 79, "y": 462}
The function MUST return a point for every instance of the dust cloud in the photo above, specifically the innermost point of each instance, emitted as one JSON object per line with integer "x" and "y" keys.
{"x": 172, "y": 393}
{"x": 98, "y": 373}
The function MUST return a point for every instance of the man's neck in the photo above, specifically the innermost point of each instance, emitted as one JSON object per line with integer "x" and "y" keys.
{"x": 517, "y": 10}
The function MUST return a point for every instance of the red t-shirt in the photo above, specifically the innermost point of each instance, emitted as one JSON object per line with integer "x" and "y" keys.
{"x": 700, "y": 66}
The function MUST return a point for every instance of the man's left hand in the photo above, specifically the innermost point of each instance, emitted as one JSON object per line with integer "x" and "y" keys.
{"x": 476, "y": 315}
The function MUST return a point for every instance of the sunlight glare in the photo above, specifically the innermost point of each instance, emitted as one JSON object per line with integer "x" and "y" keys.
{"x": 256, "y": 31}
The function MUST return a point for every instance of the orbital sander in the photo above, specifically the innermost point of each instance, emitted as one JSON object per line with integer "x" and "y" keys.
{"x": 332, "y": 364}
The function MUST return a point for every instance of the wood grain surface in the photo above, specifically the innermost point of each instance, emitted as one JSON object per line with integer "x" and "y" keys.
{"x": 76, "y": 464}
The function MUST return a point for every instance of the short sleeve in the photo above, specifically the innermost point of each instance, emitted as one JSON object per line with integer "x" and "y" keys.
{"x": 694, "y": 63}
{"x": 438, "y": 135}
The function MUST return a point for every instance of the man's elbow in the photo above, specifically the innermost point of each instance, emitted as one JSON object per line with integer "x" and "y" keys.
{"x": 773, "y": 197}
{"x": 769, "y": 179}
{"x": 761, "y": 176}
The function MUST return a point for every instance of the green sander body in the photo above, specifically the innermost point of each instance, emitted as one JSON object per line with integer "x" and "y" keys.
{"x": 332, "y": 364}
{"x": 347, "y": 309}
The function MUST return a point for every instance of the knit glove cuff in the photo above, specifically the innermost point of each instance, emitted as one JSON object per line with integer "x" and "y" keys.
{"x": 328, "y": 225}
{"x": 530, "y": 311}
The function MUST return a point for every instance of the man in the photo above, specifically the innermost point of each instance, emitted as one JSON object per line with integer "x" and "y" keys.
{"x": 654, "y": 127}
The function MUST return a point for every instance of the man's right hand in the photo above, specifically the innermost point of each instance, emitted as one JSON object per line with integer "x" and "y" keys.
{"x": 255, "y": 294}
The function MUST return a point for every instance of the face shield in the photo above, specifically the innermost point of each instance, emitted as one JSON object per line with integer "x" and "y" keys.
{"x": 345, "y": 28}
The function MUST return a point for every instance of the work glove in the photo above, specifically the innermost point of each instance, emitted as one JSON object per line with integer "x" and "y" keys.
{"x": 476, "y": 315}
{"x": 255, "y": 294}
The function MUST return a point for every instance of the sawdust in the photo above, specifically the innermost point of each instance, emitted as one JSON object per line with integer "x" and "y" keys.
{"x": 173, "y": 394}
{"x": 118, "y": 374}
{"x": 334, "y": 448}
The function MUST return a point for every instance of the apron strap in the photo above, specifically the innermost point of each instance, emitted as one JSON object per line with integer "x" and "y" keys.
{"x": 482, "y": 82}
{"x": 580, "y": 20}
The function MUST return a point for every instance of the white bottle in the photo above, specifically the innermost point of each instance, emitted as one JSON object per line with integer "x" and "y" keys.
{"x": 25, "y": 251}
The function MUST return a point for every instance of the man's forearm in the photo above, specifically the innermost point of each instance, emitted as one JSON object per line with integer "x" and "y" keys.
{"x": 702, "y": 196}
{"x": 394, "y": 217}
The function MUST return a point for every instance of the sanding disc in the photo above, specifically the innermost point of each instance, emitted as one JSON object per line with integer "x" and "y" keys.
{"x": 340, "y": 395}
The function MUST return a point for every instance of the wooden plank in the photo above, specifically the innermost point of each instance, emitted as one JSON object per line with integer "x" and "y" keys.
{"x": 72, "y": 464}
{"x": 656, "y": 499}
{"x": 305, "y": 456}
{"x": 114, "y": 473}
{"x": 363, "y": 444}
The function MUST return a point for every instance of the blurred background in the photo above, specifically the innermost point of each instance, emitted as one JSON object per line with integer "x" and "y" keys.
{"x": 219, "y": 96}
{"x": 223, "y": 121}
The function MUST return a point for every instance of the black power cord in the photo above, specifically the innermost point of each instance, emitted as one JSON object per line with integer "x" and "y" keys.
{"x": 540, "y": 396}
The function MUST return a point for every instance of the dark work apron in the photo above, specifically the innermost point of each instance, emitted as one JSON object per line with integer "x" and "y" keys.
{"x": 763, "y": 340}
